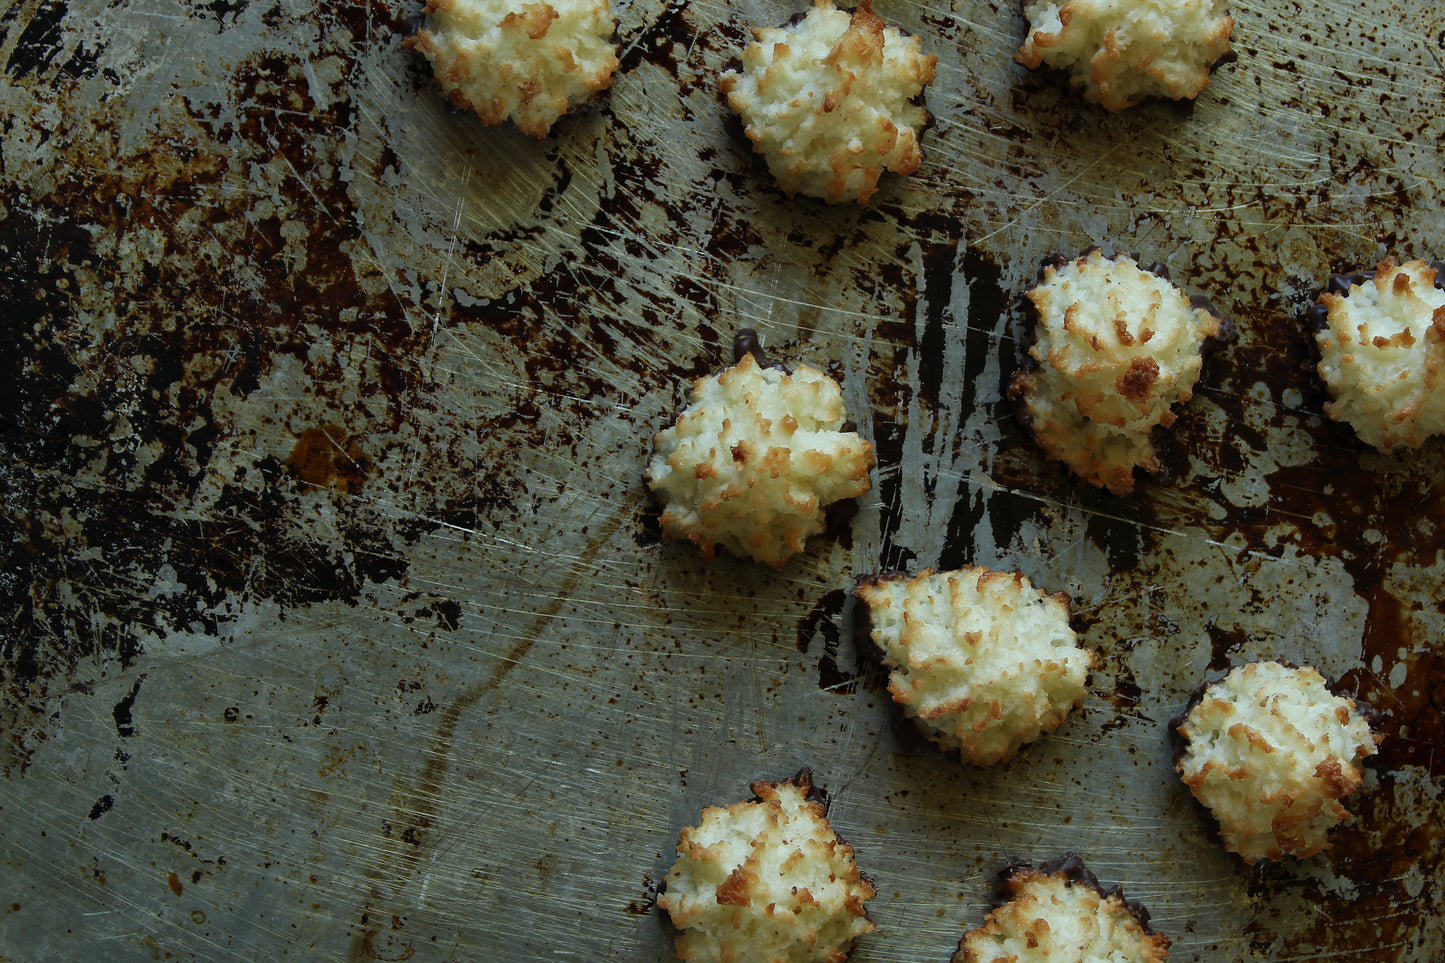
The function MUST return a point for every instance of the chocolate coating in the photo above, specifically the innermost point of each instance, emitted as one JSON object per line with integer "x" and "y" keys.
{"x": 1071, "y": 867}
{"x": 746, "y": 342}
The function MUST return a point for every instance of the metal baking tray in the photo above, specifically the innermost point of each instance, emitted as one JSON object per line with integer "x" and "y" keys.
{"x": 337, "y": 624}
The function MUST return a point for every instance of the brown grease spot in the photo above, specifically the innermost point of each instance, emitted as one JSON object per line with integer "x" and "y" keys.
{"x": 325, "y": 458}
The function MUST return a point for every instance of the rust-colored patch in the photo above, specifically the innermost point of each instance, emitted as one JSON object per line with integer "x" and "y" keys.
{"x": 326, "y": 458}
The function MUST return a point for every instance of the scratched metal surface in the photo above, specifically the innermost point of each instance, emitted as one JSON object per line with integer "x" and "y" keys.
{"x": 336, "y": 625}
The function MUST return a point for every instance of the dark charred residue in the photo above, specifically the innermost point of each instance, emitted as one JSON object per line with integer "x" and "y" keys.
{"x": 1223, "y": 645}
{"x": 650, "y": 891}
{"x": 222, "y": 10}
{"x": 1409, "y": 716}
{"x": 448, "y": 614}
{"x": 48, "y": 243}
{"x": 969, "y": 509}
{"x": 327, "y": 457}
{"x": 660, "y": 40}
{"x": 121, "y": 712}
{"x": 649, "y": 530}
{"x": 1117, "y": 532}
{"x": 987, "y": 303}
{"x": 102, "y": 806}
{"x": 40, "y": 42}
{"x": 495, "y": 499}
{"x": 48, "y": 240}
{"x": 177, "y": 312}
{"x": 838, "y": 519}
{"x": 928, "y": 299}
{"x": 888, "y": 437}
{"x": 825, "y": 620}
{"x": 1125, "y": 695}
{"x": 935, "y": 286}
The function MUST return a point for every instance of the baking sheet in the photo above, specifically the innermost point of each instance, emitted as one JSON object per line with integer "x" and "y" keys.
{"x": 337, "y": 623}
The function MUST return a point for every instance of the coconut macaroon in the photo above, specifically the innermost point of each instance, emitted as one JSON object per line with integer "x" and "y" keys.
{"x": 1059, "y": 911}
{"x": 767, "y": 880}
{"x": 833, "y": 101}
{"x": 527, "y": 62}
{"x": 1121, "y": 52}
{"x": 1382, "y": 352}
{"x": 1270, "y": 751}
{"x": 755, "y": 457}
{"x": 983, "y": 661}
{"x": 1116, "y": 348}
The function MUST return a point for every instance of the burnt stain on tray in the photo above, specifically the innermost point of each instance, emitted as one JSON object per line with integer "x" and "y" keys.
{"x": 161, "y": 282}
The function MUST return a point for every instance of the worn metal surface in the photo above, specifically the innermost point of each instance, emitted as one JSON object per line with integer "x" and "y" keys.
{"x": 335, "y": 621}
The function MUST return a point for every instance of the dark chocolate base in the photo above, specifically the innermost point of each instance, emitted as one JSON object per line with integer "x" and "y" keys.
{"x": 1071, "y": 867}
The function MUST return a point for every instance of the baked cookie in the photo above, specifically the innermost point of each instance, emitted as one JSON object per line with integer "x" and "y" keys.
{"x": 755, "y": 457}
{"x": 833, "y": 101}
{"x": 767, "y": 880}
{"x": 1121, "y": 52}
{"x": 525, "y": 62}
{"x": 981, "y": 660}
{"x": 1059, "y": 913}
{"x": 1270, "y": 751}
{"x": 1381, "y": 337}
{"x": 1116, "y": 348}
